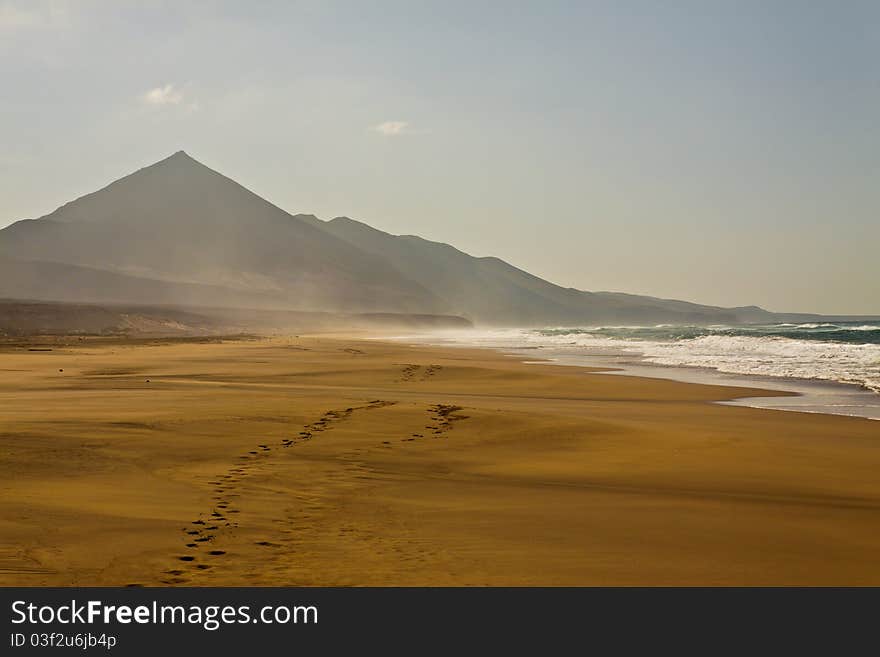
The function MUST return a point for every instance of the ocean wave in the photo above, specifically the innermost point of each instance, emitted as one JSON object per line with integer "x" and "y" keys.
{"x": 778, "y": 357}
{"x": 837, "y": 327}
{"x": 821, "y": 332}
{"x": 735, "y": 350}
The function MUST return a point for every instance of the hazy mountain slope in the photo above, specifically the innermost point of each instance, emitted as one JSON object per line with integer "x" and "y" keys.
{"x": 180, "y": 221}
{"x": 55, "y": 281}
{"x": 490, "y": 290}
{"x": 484, "y": 289}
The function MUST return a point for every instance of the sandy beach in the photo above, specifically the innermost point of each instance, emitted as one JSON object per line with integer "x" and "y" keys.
{"x": 343, "y": 461}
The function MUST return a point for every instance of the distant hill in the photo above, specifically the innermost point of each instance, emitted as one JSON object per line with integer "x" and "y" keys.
{"x": 179, "y": 233}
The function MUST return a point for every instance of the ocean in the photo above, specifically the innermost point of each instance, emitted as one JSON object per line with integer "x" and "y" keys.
{"x": 846, "y": 352}
{"x": 834, "y": 366}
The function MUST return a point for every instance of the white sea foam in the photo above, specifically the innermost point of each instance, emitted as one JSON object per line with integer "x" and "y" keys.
{"x": 765, "y": 356}
{"x": 770, "y": 356}
{"x": 845, "y": 362}
{"x": 838, "y": 327}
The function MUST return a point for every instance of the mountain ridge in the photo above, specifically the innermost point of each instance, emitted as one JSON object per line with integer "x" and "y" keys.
{"x": 177, "y": 231}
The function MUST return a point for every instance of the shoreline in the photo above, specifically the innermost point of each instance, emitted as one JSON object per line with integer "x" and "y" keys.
{"x": 806, "y": 395}
{"x": 337, "y": 461}
{"x": 816, "y": 396}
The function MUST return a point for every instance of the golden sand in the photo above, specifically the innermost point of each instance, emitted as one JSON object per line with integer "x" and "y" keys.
{"x": 333, "y": 461}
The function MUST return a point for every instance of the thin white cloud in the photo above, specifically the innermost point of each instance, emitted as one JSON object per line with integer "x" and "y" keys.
{"x": 169, "y": 95}
{"x": 166, "y": 95}
{"x": 393, "y": 128}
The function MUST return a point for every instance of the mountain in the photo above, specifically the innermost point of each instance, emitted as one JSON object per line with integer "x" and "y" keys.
{"x": 180, "y": 222}
{"x": 491, "y": 291}
{"x": 179, "y": 233}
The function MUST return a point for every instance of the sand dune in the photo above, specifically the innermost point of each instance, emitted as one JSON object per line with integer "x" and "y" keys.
{"x": 338, "y": 461}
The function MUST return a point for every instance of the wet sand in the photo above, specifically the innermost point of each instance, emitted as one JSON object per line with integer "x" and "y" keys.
{"x": 339, "y": 461}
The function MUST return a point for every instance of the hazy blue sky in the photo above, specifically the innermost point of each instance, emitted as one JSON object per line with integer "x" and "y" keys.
{"x": 723, "y": 152}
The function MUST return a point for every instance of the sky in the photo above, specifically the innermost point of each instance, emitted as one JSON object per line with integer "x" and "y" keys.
{"x": 720, "y": 152}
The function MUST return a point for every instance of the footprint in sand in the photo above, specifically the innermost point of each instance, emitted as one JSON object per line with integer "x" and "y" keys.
{"x": 430, "y": 371}
{"x": 443, "y": 416}
{"x": 409, "y": 372}
{"x": 226, "y": 482}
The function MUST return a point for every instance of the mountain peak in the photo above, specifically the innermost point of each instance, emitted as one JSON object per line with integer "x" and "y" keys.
{"x": 179, "y": 163}
{"x": 179, "y": 156}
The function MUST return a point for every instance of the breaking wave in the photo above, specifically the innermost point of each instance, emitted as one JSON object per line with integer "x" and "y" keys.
{"x": 847, "y": 352}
